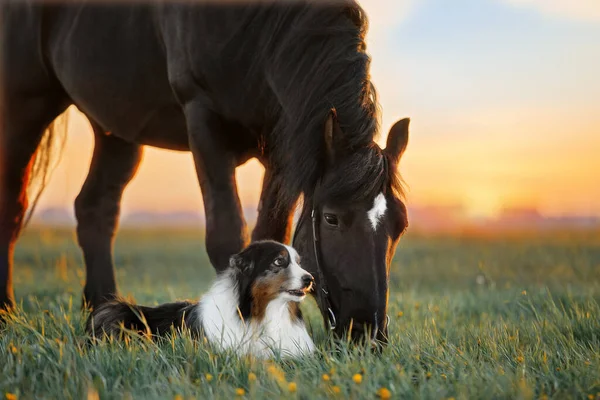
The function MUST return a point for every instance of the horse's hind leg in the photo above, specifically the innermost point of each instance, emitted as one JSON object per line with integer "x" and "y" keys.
{"x": 114, "y": 164}
{"x": 23, "y": 124}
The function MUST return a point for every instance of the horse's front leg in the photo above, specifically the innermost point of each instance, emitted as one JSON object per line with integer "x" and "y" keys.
{"x": 226, "y": 232}
{"x": 114, "y": 163}
{"x": 274, "y": 219}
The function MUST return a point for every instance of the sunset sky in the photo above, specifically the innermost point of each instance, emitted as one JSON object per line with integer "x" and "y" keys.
{"x": 504, "y": 98}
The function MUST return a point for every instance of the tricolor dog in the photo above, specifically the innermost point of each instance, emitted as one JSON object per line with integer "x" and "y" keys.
{"x": 251, "y": 308}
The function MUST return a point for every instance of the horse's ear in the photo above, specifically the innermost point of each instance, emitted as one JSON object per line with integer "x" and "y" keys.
{"x": 333, "y": 137}
{"x": 397, "y": 139}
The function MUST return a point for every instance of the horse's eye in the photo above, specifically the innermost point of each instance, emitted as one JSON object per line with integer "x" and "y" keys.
{"x": 331, "y": 219}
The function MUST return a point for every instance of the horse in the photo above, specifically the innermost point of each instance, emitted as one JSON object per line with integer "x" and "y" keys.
{"x": 284, "y": 82}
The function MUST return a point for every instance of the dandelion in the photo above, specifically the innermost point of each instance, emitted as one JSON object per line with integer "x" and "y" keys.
{"x": 417, "y": 306}
{"x": 336, "y": 389}
{"x": 384, "y": 393}
{"x": 13, "y": 349}
{"x": 240, "y": 392}
{"x": 178, "y": 397}
{"x": 92, "y": 394}
{"x": 520, "y": 359}
{"x": 292, "y": 387}
{"x": 357, "y": 378}
{"x": 524, "y": 292}
{"x": 10, "y": 396}
{"x": 252, "y": 377}
{"x": 276, "y": 373}
{"x": 208, "y": 377}
{"x": 591, "y": 397}
{"x": 443, "y": 376}
{"x": 326, "y": 377}
{"x": 400, "y": 314}
{"x": 428, "y": 375}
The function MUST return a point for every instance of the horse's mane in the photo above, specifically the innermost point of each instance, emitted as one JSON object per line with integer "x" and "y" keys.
{"x": 367, "y": 172}
{"x": 318, "y": 64}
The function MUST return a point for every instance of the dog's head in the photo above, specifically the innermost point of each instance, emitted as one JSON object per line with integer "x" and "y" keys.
{"x": 268, "y": 271}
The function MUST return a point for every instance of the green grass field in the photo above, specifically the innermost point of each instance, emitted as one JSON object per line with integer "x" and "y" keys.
{"x": 470, "y": 318}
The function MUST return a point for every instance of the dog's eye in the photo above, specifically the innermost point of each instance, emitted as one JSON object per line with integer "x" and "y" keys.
{"x": 279, "y": 261}
{"x": 331, "y": 219}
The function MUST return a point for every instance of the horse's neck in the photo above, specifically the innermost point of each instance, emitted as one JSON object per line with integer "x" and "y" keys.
{"x": 220, "y": 317}
{"x": 280, "y": 331}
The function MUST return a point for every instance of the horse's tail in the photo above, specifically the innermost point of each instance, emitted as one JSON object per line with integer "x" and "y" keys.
{"x": 117, "y": 316}
{"x": 44, "y": 161}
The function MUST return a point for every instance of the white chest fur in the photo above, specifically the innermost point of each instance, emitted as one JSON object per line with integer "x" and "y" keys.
{"x": 281, "y": 334}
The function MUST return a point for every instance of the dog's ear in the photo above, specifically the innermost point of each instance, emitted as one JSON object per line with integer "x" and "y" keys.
{"x": 241, "y": 263}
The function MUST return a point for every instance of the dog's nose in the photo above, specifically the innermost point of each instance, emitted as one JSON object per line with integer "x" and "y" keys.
{"x": 307, "y": 280}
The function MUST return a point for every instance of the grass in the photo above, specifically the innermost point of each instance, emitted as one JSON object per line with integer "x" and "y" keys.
{"x": 470, "y": 318}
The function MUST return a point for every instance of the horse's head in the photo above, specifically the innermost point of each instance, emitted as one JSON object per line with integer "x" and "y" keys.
{"x": 348, "y": 231}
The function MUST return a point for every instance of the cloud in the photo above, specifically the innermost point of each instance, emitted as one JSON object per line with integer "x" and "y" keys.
{"x": 586, "y": 10}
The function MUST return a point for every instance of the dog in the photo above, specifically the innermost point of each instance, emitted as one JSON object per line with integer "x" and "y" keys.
{"x": 252, "y": 308}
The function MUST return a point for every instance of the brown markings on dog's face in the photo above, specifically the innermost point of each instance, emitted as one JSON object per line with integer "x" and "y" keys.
{"x": 264, "y": 291}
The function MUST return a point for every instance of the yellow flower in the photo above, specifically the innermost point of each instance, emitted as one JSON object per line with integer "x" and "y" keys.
{"x": 336, "y": 389}
{"x": 443, "y": 376}
{"x": 384, "y": 393}
{"x": 591, "y": 397}
{"x": 326, "y": 378}
{"x": 10, "y": 396}
{"x": 252, "y": 377}
{"x": 178, "y": 397}
{"x": 587, "y": 363}
{"x": 240, "y": 392}
{"x": 92, "y": 394}
{"x": 277, "y": 373}
{"x": 292, "y": 387}
{"x": 400, "y": 314}
{"x": 357, "y": 378}
{"x": 520, "y": 359}
{"x": 524, "y": 292}
{"x": 208, "y": 377}
{"x": 417, "y": 306}
{"x": 13, "y": 349}
{"x": 428, "y": 375}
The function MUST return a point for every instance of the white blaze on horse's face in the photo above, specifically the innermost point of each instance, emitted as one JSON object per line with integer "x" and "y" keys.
{"x": 378, "y": 211}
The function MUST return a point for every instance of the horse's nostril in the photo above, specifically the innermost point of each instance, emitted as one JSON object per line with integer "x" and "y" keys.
{"x": 307, "y": 280}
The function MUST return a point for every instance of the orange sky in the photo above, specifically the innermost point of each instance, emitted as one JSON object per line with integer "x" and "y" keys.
{"x": 512, "y": 120}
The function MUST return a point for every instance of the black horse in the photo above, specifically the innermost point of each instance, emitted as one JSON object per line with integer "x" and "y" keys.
{"x": 284, "y": 82}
